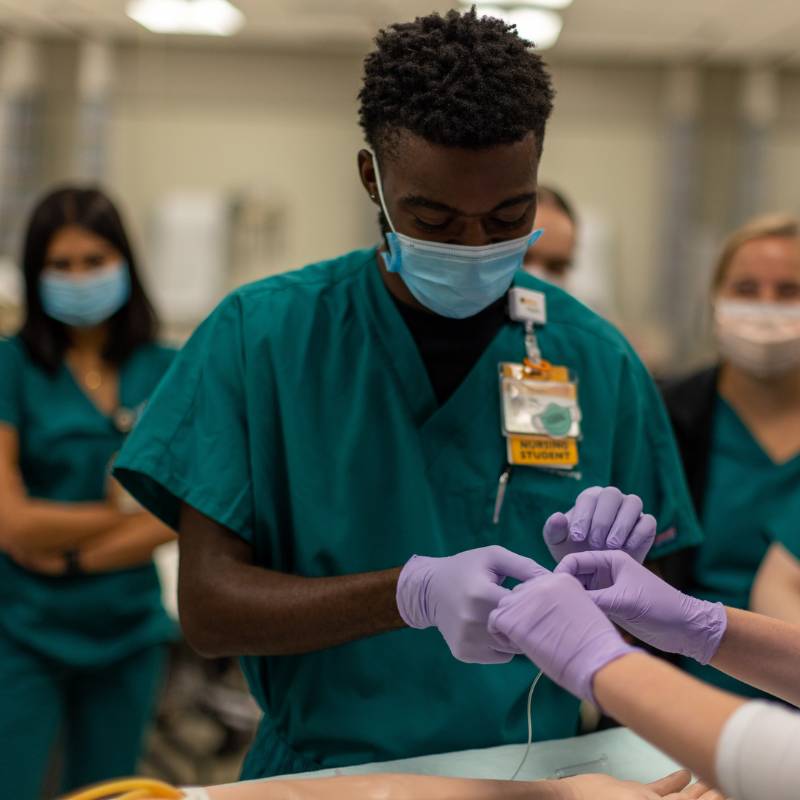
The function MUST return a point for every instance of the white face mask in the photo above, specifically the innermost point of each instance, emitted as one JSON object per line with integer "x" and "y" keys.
{"x": 762, "y": 339}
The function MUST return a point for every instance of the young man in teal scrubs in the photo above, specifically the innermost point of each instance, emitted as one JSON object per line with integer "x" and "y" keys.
{"x": 323, "y": 426}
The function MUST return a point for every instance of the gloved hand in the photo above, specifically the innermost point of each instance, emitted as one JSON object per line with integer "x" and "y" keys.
{"x": 457, "y": 594}
{"x": 646, "y": 606}
{"x": 555, "y": 623}
{"x": 601, "y": 519}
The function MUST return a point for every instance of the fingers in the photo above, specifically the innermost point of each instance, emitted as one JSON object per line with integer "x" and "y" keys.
{"x": 642, "y": 537}
{"x": 698, "y": 791}
{"x": 472, "y": 654}
{"x": 609, "y": 504}
{"x": 671, "y": 783}
{"x": 488, "y": 656}
{"x": 506, "y": 564}
{"x": 583, "y": 514}
{"x": 500, "y": 642}
{"x": 496, "y": 624}
{"x": 628, "y": 515}
{"x": 593, "y": 568}
{"x": 556, "y": 529}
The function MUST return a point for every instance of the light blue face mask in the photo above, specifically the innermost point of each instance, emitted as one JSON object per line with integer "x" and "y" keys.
{"x": 85, "y": 301}
{"x": 453, "y": 280}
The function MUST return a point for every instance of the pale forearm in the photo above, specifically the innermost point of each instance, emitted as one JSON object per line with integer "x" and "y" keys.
{"x": 128, "y": 545}
{"x": 763, "y": 652}
{"x": 678, "y": 714}
{"x": 388, "y": 787}
{"x": 41, "y": 527}
{"x": 776, "y": 590}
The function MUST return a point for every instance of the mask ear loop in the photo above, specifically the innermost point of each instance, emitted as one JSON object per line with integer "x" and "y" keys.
{"x": 379, "y": 181}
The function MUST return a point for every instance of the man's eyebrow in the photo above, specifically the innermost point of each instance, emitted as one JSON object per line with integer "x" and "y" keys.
{"x": 420, "y": 201}
{"x": 515, "y": 201}
{"x": 425, "y": 202}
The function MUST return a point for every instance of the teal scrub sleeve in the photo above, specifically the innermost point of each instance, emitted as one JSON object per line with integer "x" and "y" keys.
{"x": 647, "y": 462}
{"x": 11, "y": 365}
{"x": 191, "y": 444}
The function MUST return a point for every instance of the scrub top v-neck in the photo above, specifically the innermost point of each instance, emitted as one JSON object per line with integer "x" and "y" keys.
{"x": 66, "y": 447}
{"x": 751, "y": 501}
{"x": 300, "y": 416}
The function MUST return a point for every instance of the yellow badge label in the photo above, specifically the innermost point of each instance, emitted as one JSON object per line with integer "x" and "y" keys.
{"x": 542, "y": 451}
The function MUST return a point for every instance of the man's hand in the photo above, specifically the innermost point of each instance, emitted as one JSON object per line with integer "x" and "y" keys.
{"x": 457, "y": 594}
{"x": 601, "y": 519}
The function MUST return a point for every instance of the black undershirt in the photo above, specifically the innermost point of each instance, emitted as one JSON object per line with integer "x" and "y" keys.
{"x": 450, "y": 348}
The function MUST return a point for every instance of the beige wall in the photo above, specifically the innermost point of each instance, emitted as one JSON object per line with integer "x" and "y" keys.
{"x": 284, "y": 124}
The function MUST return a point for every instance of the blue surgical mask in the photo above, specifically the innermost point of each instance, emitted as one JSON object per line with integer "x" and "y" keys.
{"x": 453, "y": 280}
{"x": 87, "y": 300}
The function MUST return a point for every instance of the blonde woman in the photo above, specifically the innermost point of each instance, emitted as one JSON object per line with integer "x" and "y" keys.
{"x": 738, "y": 429}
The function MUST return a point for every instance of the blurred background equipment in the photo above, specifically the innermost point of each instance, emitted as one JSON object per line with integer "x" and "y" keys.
{"x": 674, "y": 122}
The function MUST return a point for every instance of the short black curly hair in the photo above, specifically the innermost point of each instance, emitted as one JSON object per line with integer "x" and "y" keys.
{"x": 457, "y": 80}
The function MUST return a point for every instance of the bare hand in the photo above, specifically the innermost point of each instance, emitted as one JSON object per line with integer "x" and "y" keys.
{"x": 52, "y": 564}
{"x": 604, "y": 787}
{"x": 697, "y": 791}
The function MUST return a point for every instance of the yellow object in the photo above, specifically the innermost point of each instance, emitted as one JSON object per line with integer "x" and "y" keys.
{"x": 542, "y": 451}
{"x": 128, "y": 789}
{"x": 542, "y": 371}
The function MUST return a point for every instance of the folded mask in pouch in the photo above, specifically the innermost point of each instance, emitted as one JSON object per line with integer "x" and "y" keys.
{"x": 762, "y": 339}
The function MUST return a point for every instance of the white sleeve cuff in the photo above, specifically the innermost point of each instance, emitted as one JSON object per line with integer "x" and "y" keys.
{"x": 194, "y": 793}
{"x": 758, "y": 753}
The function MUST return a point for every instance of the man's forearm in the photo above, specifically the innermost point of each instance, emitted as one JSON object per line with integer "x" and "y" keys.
{"x": 231, "y": 607}
{"x": 248, "y": 610}
{"x": 761, "y": 651}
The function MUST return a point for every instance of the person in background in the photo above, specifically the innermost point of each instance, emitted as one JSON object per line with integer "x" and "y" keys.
{"x": 750, "y": 750}
{"x": 738, "y": 424}
{"x": 329, "y": 441}
{"x": 82, "y": 629}
{"x": 776, "y": 590}
{"x": 551, "y": 257}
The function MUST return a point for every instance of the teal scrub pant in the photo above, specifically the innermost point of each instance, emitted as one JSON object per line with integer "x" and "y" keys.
{"x": 100, "y": 715}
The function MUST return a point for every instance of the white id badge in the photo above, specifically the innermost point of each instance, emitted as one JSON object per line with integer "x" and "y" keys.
{"x": 540, "y": 407}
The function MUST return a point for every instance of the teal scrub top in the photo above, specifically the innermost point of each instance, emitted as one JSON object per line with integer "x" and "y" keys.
{"x": 66, "y": 446}
{"x": 300, "y": 416}
{"x": 750, "y": 502}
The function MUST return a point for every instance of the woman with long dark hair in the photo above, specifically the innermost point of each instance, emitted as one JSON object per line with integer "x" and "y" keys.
{"x": 82, "y": 628}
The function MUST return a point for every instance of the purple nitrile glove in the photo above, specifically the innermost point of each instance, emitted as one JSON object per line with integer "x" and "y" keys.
{"x": 457, "y": 594}
{"x": 601, "y": 519}
{"x": 555, "y": 623}
{"x": 647, "y": 607}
